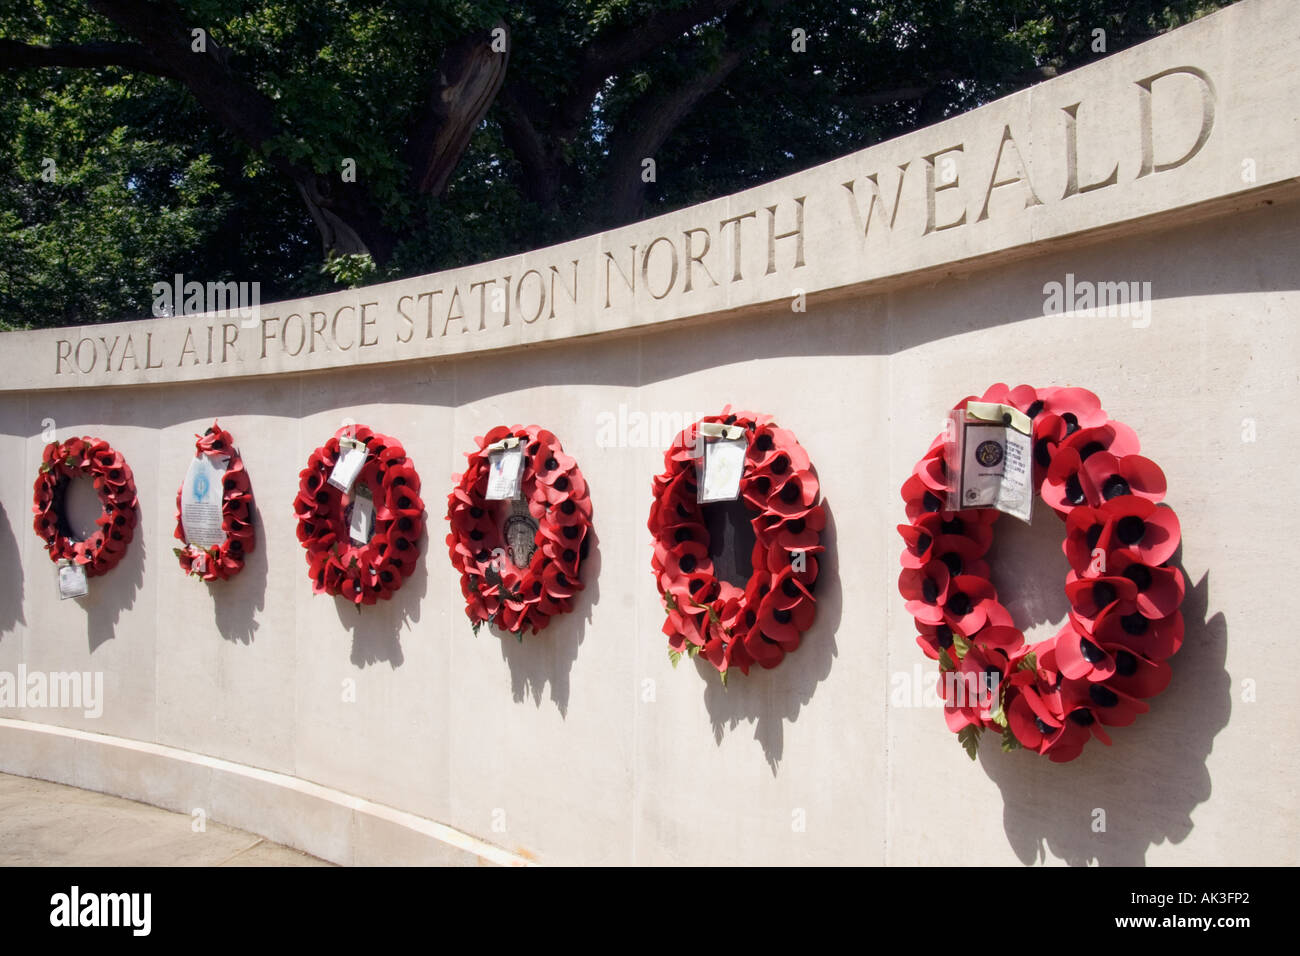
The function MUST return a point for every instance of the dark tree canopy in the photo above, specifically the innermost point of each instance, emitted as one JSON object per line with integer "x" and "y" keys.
{"x": 309, "y": 145}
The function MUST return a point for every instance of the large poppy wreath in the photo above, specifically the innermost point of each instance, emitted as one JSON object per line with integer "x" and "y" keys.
{"x": 366, "y": 573}
{"x": 116, "y": 487}
{"x": 222, "y": 561}
{"x": 555, "y": 494}
{"x": 763, "y": 621}
{"x": 1124, "y": 619}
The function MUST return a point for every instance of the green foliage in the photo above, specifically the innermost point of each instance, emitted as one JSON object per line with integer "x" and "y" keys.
{"x": 149, "y": 184}
{"x": 969, "y": 738}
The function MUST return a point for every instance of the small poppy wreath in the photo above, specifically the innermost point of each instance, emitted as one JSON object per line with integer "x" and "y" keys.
{"x": 223, "y": 561}
{"x": 762, "y": 622}
{"x": 364, "y": 574}
{"x": 552, "y": 486}
{"x": 1124, "y": 620}
{"x": 115, "y": 484}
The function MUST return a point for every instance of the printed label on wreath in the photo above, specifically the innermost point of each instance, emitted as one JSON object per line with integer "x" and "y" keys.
{"x": 363, "y": 516}
{"x": 72, "y": 581}
{"x": 724, "y": 464}
{"x": 351, "y": 460}
{"x": 201, "y": 498}
{"x": 505, "y": 468}
{"x": 991, "y": 460}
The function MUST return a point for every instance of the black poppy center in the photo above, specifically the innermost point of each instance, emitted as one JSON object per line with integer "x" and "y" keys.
{"x": 929, "y": 591}
{"x": 943, "y": 635}
{"x": 1131, "y": 529}
{"x": 952, "y": 560}
{"x": 1103, "y": 696}
{"x": 1134, "y": 623}
{"x": 1074, "y": 490}
{"x": 1102, "y": 594}
{"x": 1140, "y": 575}
{"x": 1090, "y": 651}
{"x": 687, "y": 563}
{"x": 1114, "y": 486}
{"x": 959, "y": 604}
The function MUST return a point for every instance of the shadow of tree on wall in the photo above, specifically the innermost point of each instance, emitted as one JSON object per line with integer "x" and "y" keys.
{"x": 235, "y": 603}
{"x": 11, "y": 578}
{"x": 377, "y": 630}
{"x": 1147, "y": 783}
{"x": 769, "y": 698}
{"x": 548, "y": 656}
{"x": 112, "y": 593}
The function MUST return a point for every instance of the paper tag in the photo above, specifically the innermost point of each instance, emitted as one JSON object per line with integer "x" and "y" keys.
{"x": 201, "y": 497}
{"x": 505, "y": 467}
{"x": 72, "y": 580}
{"x": 351, "y": 460}
{"x": 724, "y": 464}
{"x": 363, "y": 516}
{"x": 990, "y": 460}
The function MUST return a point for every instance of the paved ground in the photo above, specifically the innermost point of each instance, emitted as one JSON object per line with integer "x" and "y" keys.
{"x": 48, "y": 824}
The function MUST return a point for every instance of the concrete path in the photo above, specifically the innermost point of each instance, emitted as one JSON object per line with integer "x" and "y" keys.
{"x": 49, "y": 824}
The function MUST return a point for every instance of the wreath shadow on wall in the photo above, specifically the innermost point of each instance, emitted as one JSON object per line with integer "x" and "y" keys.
{"x": 1145, "y": 786}
{"x": 377, "y": 629}
{"x": 769, "y": 698}
{"x": 236, "y": 603}
{"x": 548, "y": 656}
{"x": 115, "y": 592}
{"x": 11, "y": 582}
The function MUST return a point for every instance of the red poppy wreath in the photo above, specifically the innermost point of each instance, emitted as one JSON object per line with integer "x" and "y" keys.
{"x": 729, "y": 625}
{"x": 222, "y": 561}
{"x": 524, "y": 578}
{"x": 362, "y": 573}
{"x": 115, "y": 484}
{"x": 1124, "y": 619}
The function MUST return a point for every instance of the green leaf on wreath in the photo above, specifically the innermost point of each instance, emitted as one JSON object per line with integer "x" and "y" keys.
{"x": 1029, "y": 662}
{"x": 723, "y": 675}
{"x": 670, "y": 602}
{"x": 475, "y": 626}
{"x": 693, "y": 650}
{"x": 674, "y": 656}
{"x": 960, "y": 645}
{"x": 1009, "y": 741}
{"x": 178, "y": 551}
{"x": 999, "y": 716}
{"x": 969, "y": 738}
{"x": 945, "y": 662}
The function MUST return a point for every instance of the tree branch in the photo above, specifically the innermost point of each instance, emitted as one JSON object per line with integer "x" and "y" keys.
{"x": 348, "y": 220}
{"x": 649, "y": 124}
{"x": 130, "y": 56}
{"x": 463, "y": 88}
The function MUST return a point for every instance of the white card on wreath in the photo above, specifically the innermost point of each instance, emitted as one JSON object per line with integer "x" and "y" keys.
{"x": 72, "y": 581}
{"x": 505, "y": 468}
{"x": 201, "y": 497}
{"x": 363, "y": 516}
{"x": 351, "y": 460}
{"x": 724, "y": 464}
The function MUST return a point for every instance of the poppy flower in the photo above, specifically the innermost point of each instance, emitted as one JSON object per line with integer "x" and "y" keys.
{"x": 926, "y": 591}
{"x": 1090, "y": 598}
{"x": 1160, "y": 590}
{"x": 1154, "y": 640}
{"x": 1113, "y": 477}
{"x": 1136, "y": 524}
